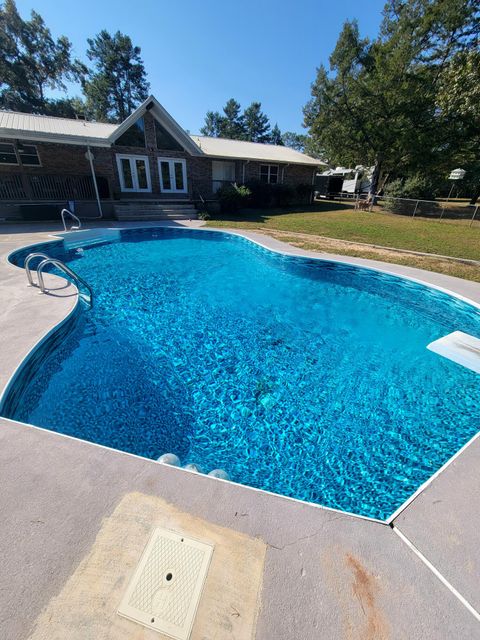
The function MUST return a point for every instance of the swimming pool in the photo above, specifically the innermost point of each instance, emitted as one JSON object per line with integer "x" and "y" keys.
{"x": 299, "y": 376}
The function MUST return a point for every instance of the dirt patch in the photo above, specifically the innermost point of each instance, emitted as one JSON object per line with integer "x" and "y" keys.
{"x": 450, "y": 267}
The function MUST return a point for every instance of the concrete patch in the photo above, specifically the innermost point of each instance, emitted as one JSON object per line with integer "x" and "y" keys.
{"x": 86, "y": 607}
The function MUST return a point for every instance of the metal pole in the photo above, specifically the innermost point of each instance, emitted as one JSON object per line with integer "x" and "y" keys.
{"x": 90, "y": 159}
{"x": 451, "y": 189}
{"x": 474, "y": 214}
{"x": 415, "y": 210}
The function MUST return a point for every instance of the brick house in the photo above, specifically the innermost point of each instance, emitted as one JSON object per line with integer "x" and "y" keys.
{"x": 46, "y": 162}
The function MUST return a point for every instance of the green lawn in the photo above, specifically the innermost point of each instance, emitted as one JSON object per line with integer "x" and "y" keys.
{"x": 334, "y": 220}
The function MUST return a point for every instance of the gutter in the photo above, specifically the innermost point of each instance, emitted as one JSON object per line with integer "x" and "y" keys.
{"x": 38, "y": 137}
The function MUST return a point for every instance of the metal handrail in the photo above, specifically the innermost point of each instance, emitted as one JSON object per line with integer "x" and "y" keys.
{"x": 63, "y": 267}
{"x": 73, "y": 227}
{"x": 26, "y": 265}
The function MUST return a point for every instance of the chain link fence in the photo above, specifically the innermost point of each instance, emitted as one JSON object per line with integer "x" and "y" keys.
{"x": 435, "y": 209}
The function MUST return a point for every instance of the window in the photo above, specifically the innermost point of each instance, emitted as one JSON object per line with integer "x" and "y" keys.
{"x": 28, "y": 155}
{"x": 269, "y": 173}
{"x": 7, "y": 154}
{"x": 165, "y": 140}
{"x": 134, "y": 136}
{"x": 223, "y": 172}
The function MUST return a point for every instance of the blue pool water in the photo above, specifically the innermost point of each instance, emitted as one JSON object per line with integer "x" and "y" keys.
{"x": 301, "y": 377}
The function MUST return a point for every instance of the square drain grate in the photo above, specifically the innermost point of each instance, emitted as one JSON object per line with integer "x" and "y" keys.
{"x": 165, "y": 590}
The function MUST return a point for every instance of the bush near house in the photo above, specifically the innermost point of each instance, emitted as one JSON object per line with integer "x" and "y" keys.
{"x": 233, "y": 197}
{"x": 265, "y": 195}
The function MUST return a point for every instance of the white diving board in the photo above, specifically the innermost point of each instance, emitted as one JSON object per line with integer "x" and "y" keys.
{"x": 460, "y": 347}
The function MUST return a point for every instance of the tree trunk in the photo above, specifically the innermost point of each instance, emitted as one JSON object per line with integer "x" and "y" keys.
{"x": 375, "y": 178}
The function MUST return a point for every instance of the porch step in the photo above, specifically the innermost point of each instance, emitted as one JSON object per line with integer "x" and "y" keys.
{"x": 155, "y": 211}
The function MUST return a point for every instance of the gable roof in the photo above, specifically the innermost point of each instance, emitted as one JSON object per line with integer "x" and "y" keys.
{"x": 226, "y": 148}
{"x": 159, "y": 113}
{"x": 101, "y": 134}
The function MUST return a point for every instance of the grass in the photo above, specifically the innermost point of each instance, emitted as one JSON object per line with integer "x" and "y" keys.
{"x": 320, "y": 226}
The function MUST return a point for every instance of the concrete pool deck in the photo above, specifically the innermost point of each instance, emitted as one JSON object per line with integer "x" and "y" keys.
{"x": 311, "y": 572}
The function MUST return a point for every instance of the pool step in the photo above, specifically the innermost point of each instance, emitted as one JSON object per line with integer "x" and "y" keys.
{"x": 459, "y": 347}
{"x": 88, "y": 237}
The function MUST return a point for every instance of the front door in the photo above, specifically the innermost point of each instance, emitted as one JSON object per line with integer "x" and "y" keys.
{"x": 173, "y": 175}
{"x": 134, "y": 173}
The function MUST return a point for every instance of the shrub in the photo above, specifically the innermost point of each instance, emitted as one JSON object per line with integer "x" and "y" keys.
{"x": 232, "y": 197}
{"x": 304, "y": 193}
{"x": 282, "y": 195}
{"x": 261, "y": 194}
{"x": 415, "y": 187}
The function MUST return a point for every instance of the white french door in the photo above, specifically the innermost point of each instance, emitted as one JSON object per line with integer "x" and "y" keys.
{"x": 173, "y": 175}
{"x": 134, "y": 173}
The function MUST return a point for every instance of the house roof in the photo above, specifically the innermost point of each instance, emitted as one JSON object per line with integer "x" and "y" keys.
{"x": 52, "y": 129}
{"x": 225, "y": 148}
{"x": 100, "y": 134}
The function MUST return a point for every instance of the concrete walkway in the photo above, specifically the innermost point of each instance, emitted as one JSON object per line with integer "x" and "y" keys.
{"x": 315, "y": 573}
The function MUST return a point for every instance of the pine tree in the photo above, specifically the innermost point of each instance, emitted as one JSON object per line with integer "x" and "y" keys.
{"x": 118, "y": 83}
{"x": 276, "y": 136}
{"x": 212, "y": 124}
{"x": 256, "y": 123}
{"x": 231, "y": 125}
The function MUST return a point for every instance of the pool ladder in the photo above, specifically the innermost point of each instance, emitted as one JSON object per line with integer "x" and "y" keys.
{"x": 74, "y": 227}
{"x": 77, "y": 280}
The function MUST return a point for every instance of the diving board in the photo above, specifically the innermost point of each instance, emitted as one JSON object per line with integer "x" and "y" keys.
{"x": 460, "y": 347}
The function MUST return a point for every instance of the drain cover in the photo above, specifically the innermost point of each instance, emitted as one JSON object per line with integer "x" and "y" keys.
{"x": 165, "y": 590}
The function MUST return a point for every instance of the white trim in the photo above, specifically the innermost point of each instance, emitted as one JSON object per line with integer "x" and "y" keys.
{"x": 171, "y": 167}
{"x": 60, "y": 138}
{"x": 437, "y": 573}
{"x": 391, "y": 519}
{"x": 132, "y": 158}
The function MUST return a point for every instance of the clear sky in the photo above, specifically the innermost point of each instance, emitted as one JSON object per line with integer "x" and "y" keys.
{"x": 200, "y": 53}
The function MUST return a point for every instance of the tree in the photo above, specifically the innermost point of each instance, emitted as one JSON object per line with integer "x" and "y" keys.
{"x": 32, "y": 62}
{"x": 256, "y": 124}
{"x": 276, "y": 136}
{"x": 231, "y": 124}
{"x": 118, "y": 83}
{"x": 459, "y": 101}
{"x": 252, "y": 125}
{"x": 377, "y": 102}
{"x": 212, "y": 124}
{"x": 295, "y": 141}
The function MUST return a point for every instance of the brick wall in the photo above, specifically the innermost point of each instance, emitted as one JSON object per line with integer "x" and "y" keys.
{"x": 292, "y": 174}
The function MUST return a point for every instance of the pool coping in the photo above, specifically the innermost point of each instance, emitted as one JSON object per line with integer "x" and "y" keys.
{"x": 270, "y": 244}
{"x": 282, "y": 555}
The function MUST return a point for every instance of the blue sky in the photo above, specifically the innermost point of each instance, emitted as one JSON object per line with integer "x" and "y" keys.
{"x": 200, "y": 53}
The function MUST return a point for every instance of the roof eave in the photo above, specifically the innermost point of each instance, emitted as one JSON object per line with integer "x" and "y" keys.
{"x": 37, "y": 136}
{"x": 313, "y": 163}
